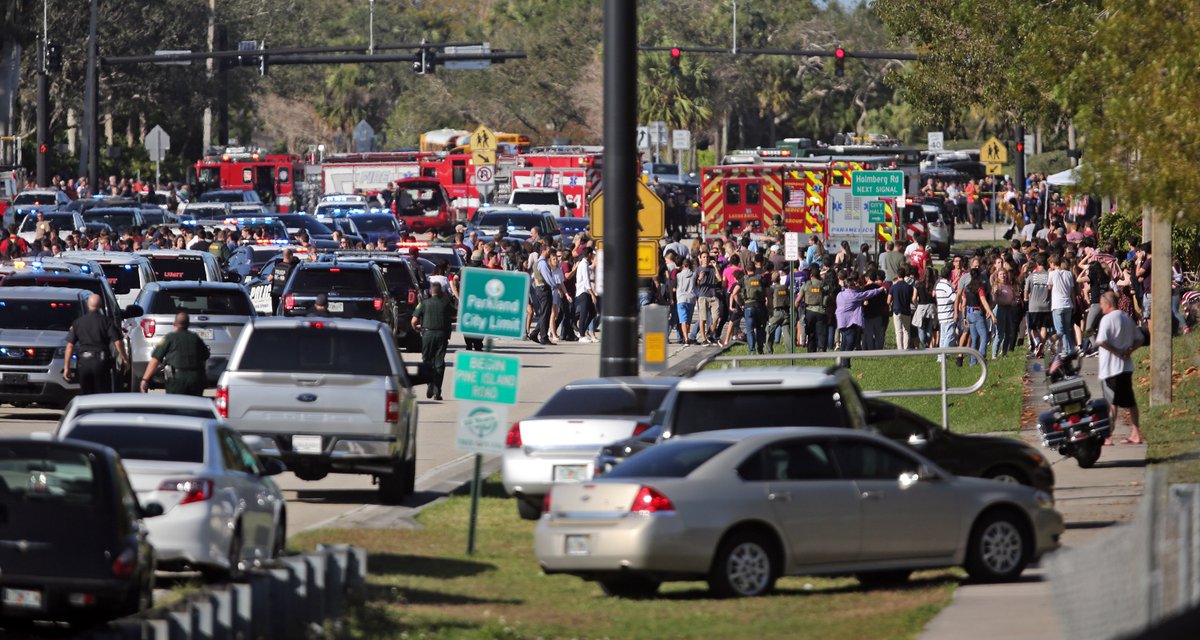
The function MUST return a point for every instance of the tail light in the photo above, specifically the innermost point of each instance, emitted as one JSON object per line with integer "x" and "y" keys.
{"x": 125, "y": 563}
{"x": 378, "y": 304}
{"x": 149, "y": 326}
{"x": 289, "y": 302}
{"x": 640, "y": 428}
{"x": 513, "y": 439}
{"x": 546, "y": 503}
{"x": 649, "y": 500}
{"x": 412, "y": 296}
{"x": 192, "y": 490}
{"x": 222, "y": 401}
{"x": 1074, "y": 419}
{"x": 391, "y": 409}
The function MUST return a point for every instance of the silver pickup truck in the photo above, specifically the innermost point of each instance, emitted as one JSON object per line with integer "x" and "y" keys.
{"x": 325, "y": 395}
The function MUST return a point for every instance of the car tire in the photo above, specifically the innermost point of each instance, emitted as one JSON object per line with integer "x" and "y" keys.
{"x": 998, "y": 549}
{"x": 393, "y": 487}
{"x": 877, "y": 579}
{"x": 410, "y": 474}
{"x": 280, "y": 545}
{"x": 230, "y": 573}
{"x": 528, "y": 509}
{"x": 1009, "y": 474}
{"x": 630, "y": 587}
{"x": 746, "y": 565}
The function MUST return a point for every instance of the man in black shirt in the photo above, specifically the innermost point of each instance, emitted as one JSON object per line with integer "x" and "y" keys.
{"x": 91, "y": 338}
{"x": 279, "y": 275}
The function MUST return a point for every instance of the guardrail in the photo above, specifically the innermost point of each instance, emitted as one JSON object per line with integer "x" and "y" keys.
{"x": 941, "y": 357}
{"x": 290, "y": 598}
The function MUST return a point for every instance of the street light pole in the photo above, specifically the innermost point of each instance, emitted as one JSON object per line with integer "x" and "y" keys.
{"x": 90, "y": 149}
{"x": 371, "y": 30}
{"x": 43, "y": 103}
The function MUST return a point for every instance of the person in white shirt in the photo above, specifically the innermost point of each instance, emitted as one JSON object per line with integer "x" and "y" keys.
{"x": 1062, "y": 303}
{"x": 1118, "y": 337}
{"x": 585, "y": 296}
{"x": 946, "y": 296}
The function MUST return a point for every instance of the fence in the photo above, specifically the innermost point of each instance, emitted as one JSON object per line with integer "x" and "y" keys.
{"x": 942, "y": 356}
{"x": 1134, "y": 576}
{"x": 291, "y": 598}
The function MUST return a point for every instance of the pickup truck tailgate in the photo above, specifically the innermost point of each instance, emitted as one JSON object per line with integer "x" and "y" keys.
{"x": 270, "y": 402}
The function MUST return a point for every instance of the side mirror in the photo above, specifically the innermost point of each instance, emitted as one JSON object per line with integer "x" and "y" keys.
{"x": 273, "y": 467}
{"x": 133, "y": 311}
{"x": 233, "y": 276}
{"x": 152, "y": 510}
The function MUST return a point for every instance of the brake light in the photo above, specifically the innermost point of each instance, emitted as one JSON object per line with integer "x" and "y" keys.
{"x": 546, "y": 502}
{"x": 391, "y": 409}
{"x": 289, "y": 302}
{"x": 378, "y": 304}
{"x": 513, "y": 439}
{"x": 222, "y": 401}
{"x": 335, "y": 270}
{"x": 192, "y": 490}
{"x": 640, "y": 428}
{"x": 123, "y": 566}
{"x": 149, "y": 326}
{"x": 1074, "y": 419}
{"x": 649, "y": 500}
{"x": 412, "y": 296}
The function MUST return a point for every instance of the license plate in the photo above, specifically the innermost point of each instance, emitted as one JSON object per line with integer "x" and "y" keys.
{"x": 1071, "y": 408}
{"x": 205, "y": 334}
{"x": 23, "y": 598}
{"x": 570, "y": 472}
{"x": 14, "y": 378}
{"x": 336, "y": 307}
{"x": 306, "y": 444}
{"x": 579, "y": 545}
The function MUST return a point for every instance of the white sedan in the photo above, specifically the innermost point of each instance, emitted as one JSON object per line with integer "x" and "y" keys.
{"x": 166, "y": 404}
{"x": 221, "y": 512}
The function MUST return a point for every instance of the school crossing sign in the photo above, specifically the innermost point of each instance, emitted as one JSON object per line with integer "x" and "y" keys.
{"x": 493, "y": 303}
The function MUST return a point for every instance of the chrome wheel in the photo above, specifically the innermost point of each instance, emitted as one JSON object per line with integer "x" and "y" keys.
{"x": 1006, "y": 478}
{"x": 1001, "y": 547}
{"x": 748, "y": 569}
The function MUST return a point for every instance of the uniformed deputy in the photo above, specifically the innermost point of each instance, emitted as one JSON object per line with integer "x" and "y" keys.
{"x": 432, "y": 319}
{"x": 184, "y": 355}
{"x": 92, "y": 336}
{"x": 781, "y": 306}
{"x": 754, "y": 296}
{"x": 279, "y": 275}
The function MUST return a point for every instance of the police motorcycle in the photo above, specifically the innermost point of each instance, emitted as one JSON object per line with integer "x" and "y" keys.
{"x": 1076, "y": 425}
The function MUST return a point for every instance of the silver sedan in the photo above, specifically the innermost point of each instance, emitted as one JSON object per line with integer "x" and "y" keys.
{"x": 742, "y": 508}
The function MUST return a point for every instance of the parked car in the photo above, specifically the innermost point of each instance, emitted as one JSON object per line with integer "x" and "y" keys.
{"x": 33, "y": 343}
{"x": 515, "y": 223}
{"x": 74, "y": 547}
{"x": 167, "y": 404}
{"x": 127, "y": 273}
{"x": 64, "y": 222}
{"x": 220, "y": 510}
{"x": 741, "y": 508}
{"x": 571, "y": 227}
{"x": 120, "y": 219}
{"x": 560, "y": 440}
{"x": 403, "y": 282}
{"x": 373, "y": 227}
{"x": 33, "y": 200}
{"x": 353, "y": 289}
{"x": 183, "y": 264}
{"x": 545, "y": 199}
{"x": 326, "y": 395}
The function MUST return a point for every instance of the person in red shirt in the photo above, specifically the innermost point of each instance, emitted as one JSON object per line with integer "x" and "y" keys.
{"x": 919, "y": 258}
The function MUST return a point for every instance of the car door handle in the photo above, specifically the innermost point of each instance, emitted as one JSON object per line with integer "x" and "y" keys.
{"x": 779, "y": 496}
{"x": 872, "y": 495}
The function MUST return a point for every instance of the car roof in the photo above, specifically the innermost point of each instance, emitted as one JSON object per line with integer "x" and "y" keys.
{"x": 623, "y": 381}
{"x": 144, "y": 419}
{"x": 328, "y": 265}
{"x": 104, "y": 256}
{"x": 99, "y": 400}
{"x": 284, "y": 322}
{"x": 42, "y": 293}
{"x": 766, "y": 434}
{"x": 172, "y": 252}
{"x": 75, "y": 445}
{"x": 761, "y": 378}
{"x": 167, "y": 285}
{"x": 110, "y": 209}
{"x": 538, "y": 189}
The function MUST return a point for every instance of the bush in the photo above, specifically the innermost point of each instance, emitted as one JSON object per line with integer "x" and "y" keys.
{"x": 1048, "y": 163}
{"x": 1185, "y": 238}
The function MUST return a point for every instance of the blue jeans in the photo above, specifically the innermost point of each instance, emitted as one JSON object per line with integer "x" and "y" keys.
{"x": 756, "y": 328}
{"x": 947, "y": 335}
{"x": 977, "y": 325}
{"x": 1063, "y": 327}
{"x": 1000, "y": 340}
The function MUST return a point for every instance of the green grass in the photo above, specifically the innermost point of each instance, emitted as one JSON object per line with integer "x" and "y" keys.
{"x": 422, "y": 584}
{"x": 996, "y": 407}
{"x": 1172, "y": 430}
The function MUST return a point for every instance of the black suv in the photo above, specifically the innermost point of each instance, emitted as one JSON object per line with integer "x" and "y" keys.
{"x": 403, "y": 282}
{"x": 354, "y": 290}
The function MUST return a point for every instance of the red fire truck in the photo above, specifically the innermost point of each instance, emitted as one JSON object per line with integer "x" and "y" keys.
{"x": 273, "y": 176}
{"x": 369, "y": 173}
{"x": 576, "y": 171}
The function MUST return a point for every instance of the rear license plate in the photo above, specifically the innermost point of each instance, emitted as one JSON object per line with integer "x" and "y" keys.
{"x": 205, "y": 334}
{"x": 336, "y": 307}
{"x": 579, "y": 545}
{"x": 306, "y": 444}
{"x": 23, "y": 598}
{"x": 14, "y": 378}
{"x": 570, "y": 472}
{"x": 1071, "y": 408}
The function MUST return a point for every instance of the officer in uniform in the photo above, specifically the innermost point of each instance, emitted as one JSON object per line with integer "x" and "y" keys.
{"x": 432, "y": 320}
{"x": 754, "y": 296}
{"x": 279, "y": 275}
{"x": 184, "y": 355}
{"x": 91, "y": 338}
{"x": 781, "y": 303}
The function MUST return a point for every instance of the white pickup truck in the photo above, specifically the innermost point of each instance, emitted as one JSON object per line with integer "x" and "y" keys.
{"x": 325, "y": 395}
{"x": 542, "y": 199}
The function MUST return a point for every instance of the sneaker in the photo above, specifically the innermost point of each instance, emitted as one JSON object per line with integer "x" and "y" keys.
{"x": 586, "y": 339}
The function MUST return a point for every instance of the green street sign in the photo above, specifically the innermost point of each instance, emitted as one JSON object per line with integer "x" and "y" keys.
{"x": 486, "y": 377}
{"x": 876, "y": 212}
{"x": 877, "y": 184}
{"x": 492, "y": 303}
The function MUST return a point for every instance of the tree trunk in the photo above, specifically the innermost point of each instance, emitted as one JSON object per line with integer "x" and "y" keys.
{"x": 1160, "y": 306}
{"x": 109, "y": 134}
{"x": 72, "y": 131}
{"x": 1071, "y": 142}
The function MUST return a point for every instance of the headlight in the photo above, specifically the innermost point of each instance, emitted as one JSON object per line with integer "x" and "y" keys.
{"x": 60, "y": 352}
{"x": 1043, "y": 500}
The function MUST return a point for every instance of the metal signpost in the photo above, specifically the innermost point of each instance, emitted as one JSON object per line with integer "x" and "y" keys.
{"x": 157, "y": 144}
{"x": 791, "y": 253}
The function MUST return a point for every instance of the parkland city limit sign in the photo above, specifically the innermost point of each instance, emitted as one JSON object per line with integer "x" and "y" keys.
{"x": 493, "y": 303}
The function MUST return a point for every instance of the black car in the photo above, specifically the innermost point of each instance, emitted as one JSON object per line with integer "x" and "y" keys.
{"x": 353, "y": 289}
{"x": 403, "y": 282}
{"x": 71, "y": 541}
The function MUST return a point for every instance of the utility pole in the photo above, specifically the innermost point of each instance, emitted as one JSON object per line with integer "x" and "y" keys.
{"x": 618, "y": 349}
{"x": 222, "y": 91}
{"x": 208, "y": 72}
{"x": 43, "y": 116}
{"x": 1020, "y": 164}
{"x": 90, "y": 149}
{"x": 1161, "y": 358}
{"x": 371, "y": 30}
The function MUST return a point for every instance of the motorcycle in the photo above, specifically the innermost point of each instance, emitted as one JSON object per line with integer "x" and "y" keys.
{"x": 1077, "y": 425}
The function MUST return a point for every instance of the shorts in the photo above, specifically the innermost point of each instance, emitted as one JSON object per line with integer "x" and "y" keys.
{"x": 684, "y": 311}
{"x": 1118, "y": 390}
{"x": 1038, "y": 320}
{"x": 708, "y": 309}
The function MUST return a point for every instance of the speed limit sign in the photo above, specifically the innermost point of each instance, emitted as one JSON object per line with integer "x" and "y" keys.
{"x": 485, "y": 174}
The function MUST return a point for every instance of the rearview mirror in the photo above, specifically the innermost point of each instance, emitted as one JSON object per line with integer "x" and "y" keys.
{"x": 132, "y": 311}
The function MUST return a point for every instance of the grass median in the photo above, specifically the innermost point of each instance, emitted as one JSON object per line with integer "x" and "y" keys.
{"x": 1173, "y": 430}
{"x": 422, "y": 584}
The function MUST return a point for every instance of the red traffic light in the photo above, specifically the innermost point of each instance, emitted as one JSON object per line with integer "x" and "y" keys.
{"x": 839, "y": 53}
{"x": 42, "y": 149}
{"x": 675, "y": 53}
{"x": 1020, "y": 147}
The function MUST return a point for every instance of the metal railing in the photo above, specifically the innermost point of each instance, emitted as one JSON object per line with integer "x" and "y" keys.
{"x": 844, "y": 356}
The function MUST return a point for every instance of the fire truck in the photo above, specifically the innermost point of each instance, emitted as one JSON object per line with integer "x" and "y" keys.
{"x": 272, "y": 176}
{"x": 368, "y": 172}
{"x": 576, "y": 171}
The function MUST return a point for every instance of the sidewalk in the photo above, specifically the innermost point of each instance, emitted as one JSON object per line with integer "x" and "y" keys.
{"x": 1089, "y": 499}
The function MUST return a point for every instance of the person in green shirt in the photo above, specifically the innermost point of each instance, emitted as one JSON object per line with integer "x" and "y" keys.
{"x": 432, "y": 319}
{"x": 184, "y": 356}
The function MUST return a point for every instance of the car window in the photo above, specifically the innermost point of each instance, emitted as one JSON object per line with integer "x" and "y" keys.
{"x": 230, "y": 453}
{"x": 535, "y": 197}
{"x": 122, "y": 278}
{"x": 604, "y": 401}
{"x": 155, "y": 443}
{"x": 314, "y": 350}
{"x": 334, "y": 280}
{"x": 897, "y": 424}
{"x": 45, "y": 315}
{"x": 697, "y": 411}
{"x": 22, "y": 280}
{"x": 181, "y": 267}
{"x": 869, "y": 461}
{"x": 375, "y": 223}
{"x": 512, "y": 221}
{"x": 675, "y": 460}
{"x": 800, "y": 460}
{"x": 47, "y": 472}
{"x": 249, "y": 460}
{"x": 193, "y": 301}
{"x": 34, "y": 199}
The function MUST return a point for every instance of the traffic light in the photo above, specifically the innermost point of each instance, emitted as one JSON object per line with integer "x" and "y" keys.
{"x": 54, "y": 60}
{"x": 426, "y": 61}
{"x": 676, "y": 54}
{"x": 839, "y": 62}
{"x": 1020, "y": 146}
{"x": 42, "y": 149}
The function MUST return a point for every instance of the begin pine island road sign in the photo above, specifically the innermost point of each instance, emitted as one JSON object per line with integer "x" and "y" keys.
{"x": 877, "y": 184}
{"x": 493, "y": 303}
{"x": 486, "y": 377}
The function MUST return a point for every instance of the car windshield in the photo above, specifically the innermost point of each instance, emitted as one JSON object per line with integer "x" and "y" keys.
{"x": 62, "y": 282}
{"x": 675, "y": 460}
{"x": 604, "y": 401}
{"x": 43, "y": 315}
{"x": 312, "y": 226}
{"x": 207, "y": 213}
{"x": 535, "y": 197}
{"x": 699, "y": 411}
{"x": 180, "y": 267}
{"x": 573, "y": 223}
{"x": 36, "y": 472}
{"x": 118, "y": 220}
{"x": 160, "y": 444}
{"x": 34, "y": 198}
{"x": 122, "y": 278}
{"x": 207, "y": 301}
{"x": 222, "y": 196}
{"x": 376, "y": 223}
{"x": 313, "y": 350}
{"x": 660, "y": 169}
{"x": 511, "y": 220}
{"x": 150, "y": 216}
{"x": 419, "y": 200}
{"x": 334, "y": 280}
{"x": 60, "y": 221}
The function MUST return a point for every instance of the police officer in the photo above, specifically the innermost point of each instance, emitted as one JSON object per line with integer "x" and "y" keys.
{"x": 781, "y": 306}
{"x": 279, "y": 275}
{"x": 185, "y": 355}
{"x": 320, "y": 308}
{"x": 92, "y": 336}
{"x": 432, "y": 319}
{"x": 754, "y": 298}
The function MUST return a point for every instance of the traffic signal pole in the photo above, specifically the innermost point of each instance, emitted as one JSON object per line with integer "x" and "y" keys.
{"x": 619, "y": 349}
{"x": 1020, "y": 163}
{"x": 43, "y": 117}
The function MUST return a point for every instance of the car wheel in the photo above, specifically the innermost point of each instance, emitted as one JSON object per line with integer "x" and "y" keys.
{"x": 393, "y": 487}
{"x": 529, "y": 509}
{"x": 745, "y": 566}
{"x": 1007, "y": 474}
{"x": 874, "y": 579}
{"x": 280, "y": 545}
{"x": 998, "y": 549}
{"x": 631, "y": 587}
